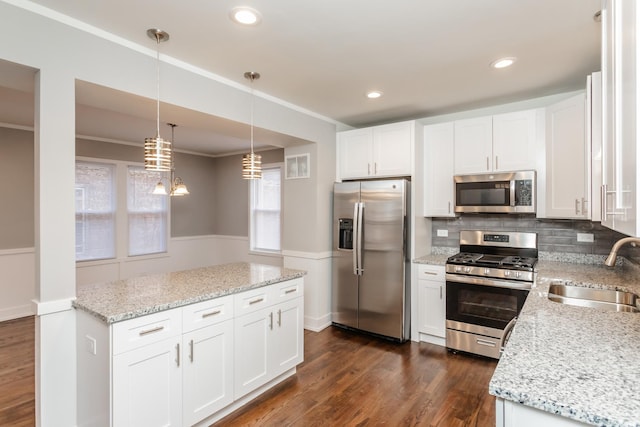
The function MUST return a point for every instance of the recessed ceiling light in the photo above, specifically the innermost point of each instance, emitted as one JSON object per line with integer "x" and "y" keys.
{"x": 245, "y": 15}
{"x": 374, "y": 94}
{"x": 503, "y": 62}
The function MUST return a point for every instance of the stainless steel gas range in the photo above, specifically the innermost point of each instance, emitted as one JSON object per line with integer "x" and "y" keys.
{"x": 487, "y": 284}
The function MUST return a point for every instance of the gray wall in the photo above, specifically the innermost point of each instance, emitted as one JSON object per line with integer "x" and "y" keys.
{"x": 17, "y": 178}
{"x": 232, "y": 193}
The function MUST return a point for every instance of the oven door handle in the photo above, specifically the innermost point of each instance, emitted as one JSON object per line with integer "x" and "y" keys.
{"x": 507, "y": 333}
{"x": 474, "y": 280}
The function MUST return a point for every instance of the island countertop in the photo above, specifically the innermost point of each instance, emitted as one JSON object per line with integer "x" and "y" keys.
{"x": 576, "y": 362}
{"x": 126, "y": 299}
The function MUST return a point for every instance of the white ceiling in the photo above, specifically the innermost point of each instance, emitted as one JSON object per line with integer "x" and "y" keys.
{"x": 428, "y": 57}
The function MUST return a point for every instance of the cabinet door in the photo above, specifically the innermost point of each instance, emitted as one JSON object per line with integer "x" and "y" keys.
{"x": 207, "y": 371}
{"x": 438, "y": 170}
{"x": 514, "y": 141}
{"x": 147, "y": 386}
{"x": 567, "y": 160}
{"x": 472, "y": 147}
{"x": 252, "y": 333}
{"x": 287, "y": 348}
{"x": 431, "y": 306}
{"x": 392, "y": 149}
{"x": 355, "y": 153}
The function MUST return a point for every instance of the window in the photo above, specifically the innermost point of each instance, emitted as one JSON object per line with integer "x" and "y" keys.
{"x": 265, "y": 206}
{"x": 116, "y": 214}
{"x": 146, "y": 212}
{"x": 95, "y": 211}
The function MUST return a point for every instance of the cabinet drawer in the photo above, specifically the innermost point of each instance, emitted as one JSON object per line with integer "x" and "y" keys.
{"x": 252, "y": 300}
{"x": 285, "y": 291}
{"x": 205, "y": 313}
{"x": 430, "y": 272}
{"x": 144, "y": 330}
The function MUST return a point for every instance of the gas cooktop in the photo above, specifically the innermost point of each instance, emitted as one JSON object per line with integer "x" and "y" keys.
{"x": 495, "y": 261}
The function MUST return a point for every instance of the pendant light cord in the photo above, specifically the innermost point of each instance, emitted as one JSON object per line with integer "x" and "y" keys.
{"x": 252, "y": 102}
{"x": 158, "y": 85}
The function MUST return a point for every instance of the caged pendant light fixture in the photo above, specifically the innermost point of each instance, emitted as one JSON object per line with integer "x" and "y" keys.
{"x": 157, "y": 151}
{"x": 252, "y": 163}
{"x": 178, "y": 187}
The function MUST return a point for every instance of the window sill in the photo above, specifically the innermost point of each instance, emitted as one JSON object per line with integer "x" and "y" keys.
{"x": 107, "y": 261}
{"x": 273, "y": 254}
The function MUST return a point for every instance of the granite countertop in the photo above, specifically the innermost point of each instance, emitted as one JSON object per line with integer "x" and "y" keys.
{"x": 438, "y": 256}
{"x": 125, "y": 299}
{"x": 577, "y": 362}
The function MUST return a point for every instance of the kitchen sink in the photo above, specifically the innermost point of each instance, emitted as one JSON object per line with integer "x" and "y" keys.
{"x": 606, "y": 299}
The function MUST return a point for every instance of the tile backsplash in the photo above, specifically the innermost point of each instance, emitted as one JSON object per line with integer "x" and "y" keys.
{"x": 554, "y": 235}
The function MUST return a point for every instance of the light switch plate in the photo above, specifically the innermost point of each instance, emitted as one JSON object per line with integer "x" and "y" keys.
{"x": 585, "y": 237}
{"x": 443, "y": 233}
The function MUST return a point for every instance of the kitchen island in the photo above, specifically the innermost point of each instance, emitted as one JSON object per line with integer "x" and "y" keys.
{"x": 573, "y": 365}
{"x": 188, "y": 347}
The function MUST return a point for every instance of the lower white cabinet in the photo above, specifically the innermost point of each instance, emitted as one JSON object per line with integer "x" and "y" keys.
{"x": 180, "y": 367}
{"x": 431, "y": 300}
{"x": 269, "y": 340}
{"x": 511, "y": 414}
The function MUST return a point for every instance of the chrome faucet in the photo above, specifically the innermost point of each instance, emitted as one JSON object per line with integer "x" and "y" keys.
{"x": 611, "y": 259}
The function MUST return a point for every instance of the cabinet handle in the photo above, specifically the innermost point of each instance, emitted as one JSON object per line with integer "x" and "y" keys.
{"x": 431, "y": 273}
{"x": 375, "y": 168}
{"x": 584, "y": 206}
{"x": 191, "y": 351}
{"x": 603, "y": 203}
{"x": 255, "y": 301}
{"x": 577, "y": 207}
{"x": 151, "y": 331}
{"x": 178, "y": 354}
{"x": 279, "y": 318}
{"x": 496, "y": 162}
{"x": 213, "y": 313}
{"x": 288, "y": 291}
{"x": 449, "y": 208}
{"x": 368, "y": 168}
{"x": 441, "y": 292}
{"x": 271, "y": 320}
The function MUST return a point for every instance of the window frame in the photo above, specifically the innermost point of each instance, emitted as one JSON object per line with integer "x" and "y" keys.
{"x": 252, "y": 248}
{"x": 121, "y": 215}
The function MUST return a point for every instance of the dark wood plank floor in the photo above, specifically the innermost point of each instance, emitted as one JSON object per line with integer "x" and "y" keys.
{"x": 17, "y": 383}
{"x": 349, "y": 379}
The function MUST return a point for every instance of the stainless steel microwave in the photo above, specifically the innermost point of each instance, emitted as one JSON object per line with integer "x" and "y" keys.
{"x": 505, "y": 192}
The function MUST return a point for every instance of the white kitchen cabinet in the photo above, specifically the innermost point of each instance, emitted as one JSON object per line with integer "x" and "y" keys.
{"x": 568, "y": 161}
{"x": 179, "y": 367}
{"x": 431, "y": 300}
{"x": 379, "y": 151}
{"x": 147, "y": 386}
{"x": 511, "y": 414}
{"x": 499, "y": 143}
{"x": 268, "y": 337}
{"x": 438, "y": 170}
{"x": 620, "y": 98}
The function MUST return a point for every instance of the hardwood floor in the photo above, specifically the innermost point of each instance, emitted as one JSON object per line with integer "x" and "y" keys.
{"x": 17, "y": 381}
{"x": 349, "y": 379}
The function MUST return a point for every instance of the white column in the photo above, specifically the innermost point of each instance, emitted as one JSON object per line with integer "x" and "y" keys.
{"x": 55, "y": 247}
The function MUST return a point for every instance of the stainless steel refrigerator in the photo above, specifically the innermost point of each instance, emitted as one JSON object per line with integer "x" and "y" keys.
{"x": 370, "y": 280}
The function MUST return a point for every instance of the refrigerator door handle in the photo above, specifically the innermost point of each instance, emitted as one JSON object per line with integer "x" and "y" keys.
{"x": 354, "y": 251}
{"x": 359, "y": 237}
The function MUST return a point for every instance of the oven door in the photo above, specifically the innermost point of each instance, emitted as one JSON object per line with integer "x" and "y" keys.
{"x": 488, "y": 303}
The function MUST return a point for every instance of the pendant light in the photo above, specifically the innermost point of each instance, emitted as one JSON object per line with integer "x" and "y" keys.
{"x": 252, "y": 163}
{"x": 178, "y": 187}
{"x": 157, "y": 151}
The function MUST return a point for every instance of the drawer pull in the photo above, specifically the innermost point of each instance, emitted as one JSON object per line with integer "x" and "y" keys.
{"x": 151, "y": 331}
{"x": 255, "y": 301}
{"x": 213, "y": 313}
{"x": 486, "y": 343}
{"x": 431, "y": 273}
{"x": 288, "y": 291}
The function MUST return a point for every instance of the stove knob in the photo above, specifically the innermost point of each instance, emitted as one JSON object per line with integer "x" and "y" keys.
{"x": 458, "y": 269}
{"x": 518, "y": 274}
{"x": 507, "y": 273}
{"x": 487, "y": 271}
{"x": 467, "y": 269}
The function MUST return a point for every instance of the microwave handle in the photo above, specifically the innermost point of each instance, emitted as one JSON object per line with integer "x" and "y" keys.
{"x": 512, "y": 192}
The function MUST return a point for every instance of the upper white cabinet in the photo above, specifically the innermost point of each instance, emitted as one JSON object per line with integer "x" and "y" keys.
{"x": 503, "y": 142}
{"x": 379, "y": 151}
{"x": 438, "y": 170}
{"x": 568, "y": 160}
{"x": 619, "y": 98}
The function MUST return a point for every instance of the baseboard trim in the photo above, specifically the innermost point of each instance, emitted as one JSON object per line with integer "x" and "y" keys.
{"x": 12, "y": 313}
{"x": 307, "y": 255}
{"x": 432, "y": 339}
{"x": 317, "y": 324}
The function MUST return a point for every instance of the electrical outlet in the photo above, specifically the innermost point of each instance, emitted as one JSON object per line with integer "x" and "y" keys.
{"x": 443, "y": 233}
{"x": 91, "y": 345}
{"x": 585, "y": 237}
